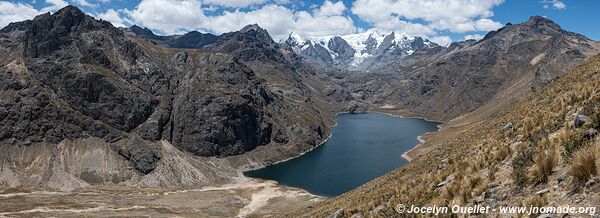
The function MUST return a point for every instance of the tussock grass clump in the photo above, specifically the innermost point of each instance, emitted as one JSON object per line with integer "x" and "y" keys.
{"x": 572, "y": 140}
{"x": 545, "y": 161}
{"x": 535, "y": 201}
{"x": 520, "y": 165}
{"x": 583, "y": 165}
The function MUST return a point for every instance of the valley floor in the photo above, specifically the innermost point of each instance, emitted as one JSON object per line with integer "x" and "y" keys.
{"x": 245, "y": 197}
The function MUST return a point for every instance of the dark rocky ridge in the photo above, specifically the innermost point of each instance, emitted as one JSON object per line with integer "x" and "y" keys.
{"x": 193, "y": 39}
{"x": 67, "y": 76}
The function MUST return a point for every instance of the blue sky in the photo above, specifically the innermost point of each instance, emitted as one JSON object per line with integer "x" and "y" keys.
{"x": 442, "y": 21}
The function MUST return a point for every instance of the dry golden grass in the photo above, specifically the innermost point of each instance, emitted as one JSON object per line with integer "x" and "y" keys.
{"x": 545, "y": 161}
{"x": 583, "y": 166}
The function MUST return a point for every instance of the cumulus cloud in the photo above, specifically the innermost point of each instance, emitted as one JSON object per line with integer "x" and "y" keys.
{"x": 234, "y": 3}
{"x": 556, "y": 4}
{"x": 441, "y": 40}
{"x": 13, "y": 12}
{"x": 458, "y": 16}
{"x": 331, "y": 9}
{"x": 172, "y": 16}
{"x": 113, "y": 17}
{"x": 324, "y": 20}
{"x": 168, "y": 16}
{"x": 84, "y": 3}
{"x": 433, "y": 19}
{"x": 474, "y": 36}
{"x": 54, "y": 5}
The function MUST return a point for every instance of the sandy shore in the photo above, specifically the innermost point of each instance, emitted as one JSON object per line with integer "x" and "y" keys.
{"x": 242, "y": 198}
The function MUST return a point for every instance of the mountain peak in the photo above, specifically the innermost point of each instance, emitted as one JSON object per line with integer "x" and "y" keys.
{"x": 252, "y": 27}
{"x": 70, "y": 10}
{"x": 542, "y": 23}
{"x": 537, "y": 18}
{"x": 256, "y": 31}
{"x": 145, "y": 32}
{"x": 294, "y": 39}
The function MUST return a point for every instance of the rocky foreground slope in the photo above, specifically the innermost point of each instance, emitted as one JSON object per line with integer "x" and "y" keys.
{"x": 84, "y": 103}
{"x": 542, "y": 151}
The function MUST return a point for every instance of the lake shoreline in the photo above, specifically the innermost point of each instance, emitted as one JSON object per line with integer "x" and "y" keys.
{"x": 420, "y": 138}
{"x": 433, "y": 126}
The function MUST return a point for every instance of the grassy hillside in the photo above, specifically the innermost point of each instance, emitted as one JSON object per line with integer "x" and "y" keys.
{"x": 510, "y": 164}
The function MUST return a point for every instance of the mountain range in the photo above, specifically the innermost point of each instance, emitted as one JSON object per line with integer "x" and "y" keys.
{"x": 356, "y": 52}
{"x": 83, "y": 103}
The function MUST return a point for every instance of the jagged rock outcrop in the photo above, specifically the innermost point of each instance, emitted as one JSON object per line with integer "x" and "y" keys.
{"x": 68, "y": 77}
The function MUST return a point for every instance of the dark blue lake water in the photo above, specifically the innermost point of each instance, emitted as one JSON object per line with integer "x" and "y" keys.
{"x": 362, "y": 147}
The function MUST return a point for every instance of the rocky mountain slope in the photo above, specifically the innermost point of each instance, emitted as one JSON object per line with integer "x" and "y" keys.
{"x": 356, "y": 52}
{"x": 487, "y": 75}
{"x": 84, "y": 103}
{"x": 541, "y": 151}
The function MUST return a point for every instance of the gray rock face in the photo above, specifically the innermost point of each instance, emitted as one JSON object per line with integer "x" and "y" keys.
{"x": 318, "y": 54}
{"x": 75, "y": 77}
{"x": 218, "y": 123}
{"x": 344, "y": 51}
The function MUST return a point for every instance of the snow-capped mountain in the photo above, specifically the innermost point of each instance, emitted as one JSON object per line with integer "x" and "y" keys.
{"x": 363, "y": 51}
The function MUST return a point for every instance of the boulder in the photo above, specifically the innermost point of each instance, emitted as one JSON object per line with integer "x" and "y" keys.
{"x": 580, "y": 120}
{"x": 335, "y": 214}
{"x": 490, "y": 192}
{"x": 479, "y": 200}
{"x": 561, "y": 177}
{"x": 446, "y": 181}
{"x": 508, "y": 126}
{"x": 542, "y": 192}
{"x": 590, "y": 133}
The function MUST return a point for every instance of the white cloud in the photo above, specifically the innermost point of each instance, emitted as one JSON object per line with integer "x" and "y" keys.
{"x": 556, "y": 4}
{"x": 84, "y": 3}
{"x": 54, "y": 5}
{"x": 172, "y": 16}
{"x": 13, "y": 12}
{"x": 329, "y": 18}
{"x": 330, "y": 9}
{"x": 441, "y": 40}
{"x": 474, "y": 36}
{"x": 559, "y": 5}
{"x": 454, "y": 15}
{"x": 326, "y": 20}
{"x": 234, "y": 3}
{"x": 169, "y": 16}
{"x": 487, "y": 25}
{"x": 113, "y": 17}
